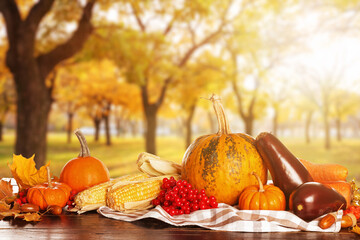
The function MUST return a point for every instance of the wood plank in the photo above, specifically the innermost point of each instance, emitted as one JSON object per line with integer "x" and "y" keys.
{"x": 94, "y": 226}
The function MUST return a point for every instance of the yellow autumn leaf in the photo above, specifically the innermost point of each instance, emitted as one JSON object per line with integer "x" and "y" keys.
{"x": 32, "y": 217}
{"x": 25, "y": 173}
{"x": 356, "y": 229}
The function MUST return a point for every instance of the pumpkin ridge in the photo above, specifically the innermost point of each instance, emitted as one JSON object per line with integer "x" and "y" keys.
{"x": 210, "y": 158}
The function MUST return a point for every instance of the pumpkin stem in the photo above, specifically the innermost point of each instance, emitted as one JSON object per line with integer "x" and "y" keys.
{"x": 261, "y": 186}
{"x": 49, "y": 177}
{"x": 84, "y": 152}
{"x": 220, "y": 115}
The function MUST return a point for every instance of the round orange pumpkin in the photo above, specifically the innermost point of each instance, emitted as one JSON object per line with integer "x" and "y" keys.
{"x": 50, "y": 193}
{"x": 260, "y": 197}
{"x": 84, "y": 171}
{"x": 222, "y": 163}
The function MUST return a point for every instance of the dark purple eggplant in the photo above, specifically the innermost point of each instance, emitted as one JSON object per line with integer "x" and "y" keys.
{"x": 311, "y": 200}
{"x": 286, "y": 170}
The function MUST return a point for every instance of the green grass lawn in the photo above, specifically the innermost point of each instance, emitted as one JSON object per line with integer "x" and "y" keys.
{"x": 121, "y": 156}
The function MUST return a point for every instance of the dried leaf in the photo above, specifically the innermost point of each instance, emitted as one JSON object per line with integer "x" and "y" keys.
{"x": 9, "y": 213}
{"x": 356, "y": 229}
{"x": 32, "y": 217}
{"x": 4, "y": 206}
{"x": 5, "y": 189}
{"x": 25, "y": 173}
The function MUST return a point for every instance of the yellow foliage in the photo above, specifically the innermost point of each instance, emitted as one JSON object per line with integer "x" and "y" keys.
{"x": 25, "y": 173}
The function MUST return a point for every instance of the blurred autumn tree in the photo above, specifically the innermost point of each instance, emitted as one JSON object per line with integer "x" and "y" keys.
{"x": 199, "y": 78}
{"x": 163, "y": 39}
{"x": 31, "y": 68}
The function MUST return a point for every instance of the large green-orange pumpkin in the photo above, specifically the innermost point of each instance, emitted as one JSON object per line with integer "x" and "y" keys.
{"x": 84, "y": 171}
{"x": 222, "y": 163}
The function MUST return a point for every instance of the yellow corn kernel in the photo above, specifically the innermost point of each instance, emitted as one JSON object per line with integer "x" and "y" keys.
{"x": 94, "y": 197}
{"x": 120, "y": 197}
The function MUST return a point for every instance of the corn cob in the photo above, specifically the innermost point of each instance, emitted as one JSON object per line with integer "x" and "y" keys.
{"x": 95, "y": 197}
{"x": 155, "y": 166}
{"x": 135, "y": 195}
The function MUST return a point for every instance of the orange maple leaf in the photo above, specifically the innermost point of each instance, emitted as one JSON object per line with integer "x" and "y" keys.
{"x": 5, "y": 189}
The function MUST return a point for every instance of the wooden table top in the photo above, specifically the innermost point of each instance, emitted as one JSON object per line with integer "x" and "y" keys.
{"x": 92, "y": 225}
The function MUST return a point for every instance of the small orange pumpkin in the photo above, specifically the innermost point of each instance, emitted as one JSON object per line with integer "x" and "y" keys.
{"x": 222, "y": 163}
{"x": 50, "y": 193}
{"x": 260, "y": 197}
{"x": 84, "y": 171}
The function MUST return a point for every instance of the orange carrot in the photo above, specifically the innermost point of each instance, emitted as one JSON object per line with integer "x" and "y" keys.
{"x": 342, "y": 187}
{"x": 325, "y": 172}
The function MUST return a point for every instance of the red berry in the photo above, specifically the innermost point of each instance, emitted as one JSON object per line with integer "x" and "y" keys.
{"x": 181, "y": 212}
{"x": 156, "y": 202}
{"x": 18, "y": 201}
{"x": 168, "y": 197}
{"x": 202, "y": 191}
{"x": 73, "y": 192}
{"x": 167, "y": 203}
{"x": 23, "y": 199}
{"x": 213, "y": 204}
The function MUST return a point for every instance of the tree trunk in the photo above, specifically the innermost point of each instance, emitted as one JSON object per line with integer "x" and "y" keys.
{"x": 249, "y": 125}
{"x": 97, "y": 122}
{"x": 70, "y": 126}
{"x": 307, "y": 126}
{"x": 338, "y": 130}
{"x": 134, "y": 127}
{"x": 107, "y": 129}
{"x": 1, "y": 131}
{"x": 150, "y": 134}
{"x": 326, "y": 128}
{"x": 33, "y": 108}
{"x": 118, "y": 126}
{"x": 275, "y": 123}
{"x": 188, "y": 125}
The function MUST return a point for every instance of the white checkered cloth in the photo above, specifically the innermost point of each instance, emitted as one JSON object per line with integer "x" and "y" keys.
{"x": 228, "y": 218}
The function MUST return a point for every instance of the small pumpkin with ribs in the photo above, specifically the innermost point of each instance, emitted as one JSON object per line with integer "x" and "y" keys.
{"x": 260, "y": 197}
{"x": 49, "y": 193}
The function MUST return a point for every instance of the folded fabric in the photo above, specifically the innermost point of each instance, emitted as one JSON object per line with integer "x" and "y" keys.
{"x": 228, "y": 218}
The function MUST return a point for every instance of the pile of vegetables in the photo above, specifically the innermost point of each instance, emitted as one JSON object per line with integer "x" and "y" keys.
{"x": 229, "y": 167}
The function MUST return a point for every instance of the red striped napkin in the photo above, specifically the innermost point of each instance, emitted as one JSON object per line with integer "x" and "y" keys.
{"x": 228, "y": 218}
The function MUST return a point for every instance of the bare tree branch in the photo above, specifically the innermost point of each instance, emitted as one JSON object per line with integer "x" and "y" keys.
{"x": 36, "y": 13}
{"x": 12, "y": 18}
{"x": 70, "y": 47}
{"x": 138, "y": 19}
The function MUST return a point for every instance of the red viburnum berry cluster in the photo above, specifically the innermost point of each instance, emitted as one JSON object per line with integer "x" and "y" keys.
{"x": 178, "y": 197}
{"x": 354, "y": 210}
{"x": 70, "y": 203}
{"x": 21, "y": 198}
